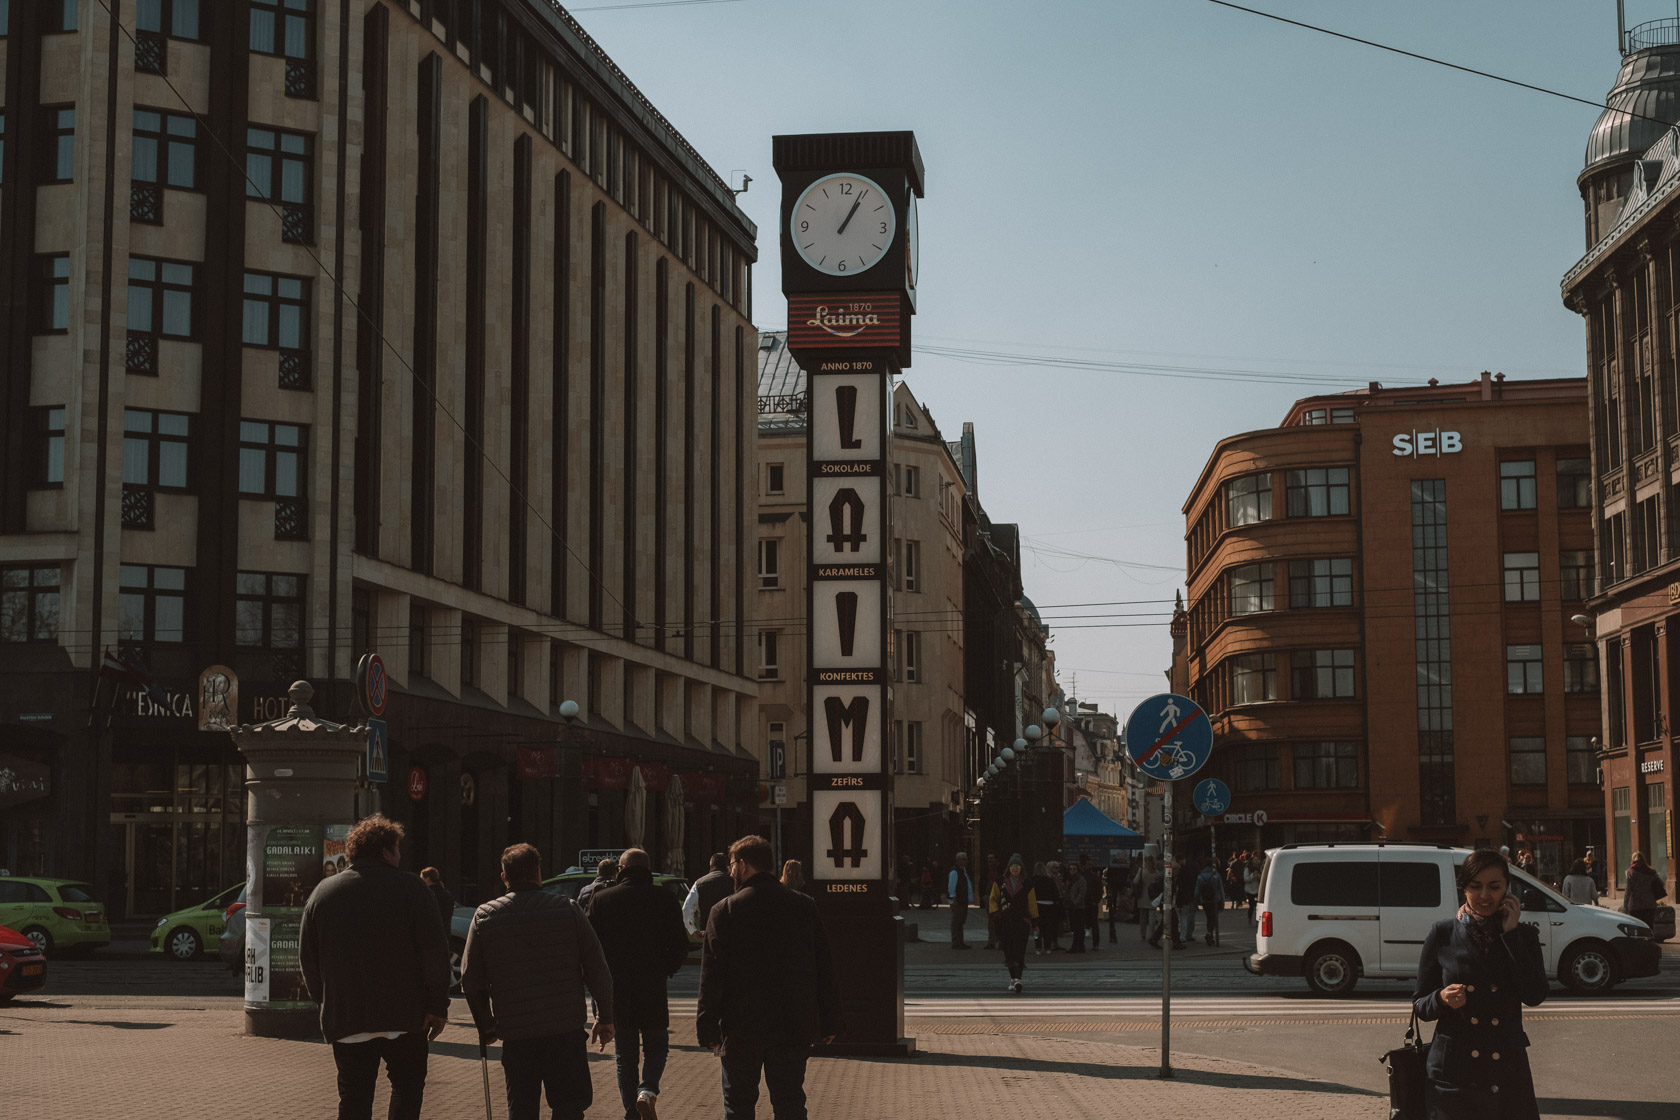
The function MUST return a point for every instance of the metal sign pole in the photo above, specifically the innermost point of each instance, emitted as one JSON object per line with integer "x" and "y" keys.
{"x": 1170, "y": 938}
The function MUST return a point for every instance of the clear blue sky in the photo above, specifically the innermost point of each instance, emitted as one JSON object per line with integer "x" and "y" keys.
{"x": 1167, "y": 182}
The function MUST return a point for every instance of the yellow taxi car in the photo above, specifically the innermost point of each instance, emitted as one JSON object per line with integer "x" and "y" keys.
{"x": 190, "y": 931}
{"x": 56, "y": 914}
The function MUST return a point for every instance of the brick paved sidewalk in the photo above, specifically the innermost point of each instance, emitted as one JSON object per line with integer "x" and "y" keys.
{"x": 73, "y": 1057}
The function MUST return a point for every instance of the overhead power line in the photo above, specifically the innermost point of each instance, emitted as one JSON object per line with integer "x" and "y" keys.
{"x": 1437, "y": 61}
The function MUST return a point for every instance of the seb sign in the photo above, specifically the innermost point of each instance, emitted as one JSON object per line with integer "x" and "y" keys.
{"x": 1414, "y": 445}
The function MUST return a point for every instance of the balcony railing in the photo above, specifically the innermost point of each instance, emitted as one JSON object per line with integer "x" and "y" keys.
{"x": 294, "y": 369}
{"x": 297, "y": 223}
{"x": 300, "y": 78}
{"x": 151, "y": 52}
{"x": 1656, "y": 33}
{"x": 137, "y": 507}
{"x": 145, "y": 203}
{"x": 783, "y": 404}
{"x": 142, "y": 353}
{"x": 291, "y": 522}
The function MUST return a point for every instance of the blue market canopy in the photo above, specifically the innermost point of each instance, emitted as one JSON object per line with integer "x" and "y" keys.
{"x": 1091, "y": 827}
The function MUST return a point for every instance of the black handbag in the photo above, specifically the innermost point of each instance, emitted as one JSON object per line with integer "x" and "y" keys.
{"x": 1407, "y": 1075}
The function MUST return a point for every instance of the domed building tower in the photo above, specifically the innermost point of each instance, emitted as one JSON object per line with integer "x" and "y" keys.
{"x": 1644, "y": 102}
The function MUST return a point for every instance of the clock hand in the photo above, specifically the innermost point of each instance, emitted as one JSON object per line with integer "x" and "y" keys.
{"x": 848, "y": 220}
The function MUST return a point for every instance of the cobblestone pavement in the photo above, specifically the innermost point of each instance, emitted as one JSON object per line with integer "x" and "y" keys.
{"x": 183, "y": 1059}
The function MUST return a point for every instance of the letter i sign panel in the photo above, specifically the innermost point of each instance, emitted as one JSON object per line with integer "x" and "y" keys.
{"x": 848, "y": 833}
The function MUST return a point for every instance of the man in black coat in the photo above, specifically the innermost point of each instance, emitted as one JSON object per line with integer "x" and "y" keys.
{"x": 767, "y": 987}
{"x": 606, "y": 872}
{"x": 375, "y": 958}
{"x": 641, "y": 928}
{"x": 707, "y": 891}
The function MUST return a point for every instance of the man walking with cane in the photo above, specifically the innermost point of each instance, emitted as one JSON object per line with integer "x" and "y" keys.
{"x": 528, "y": 958}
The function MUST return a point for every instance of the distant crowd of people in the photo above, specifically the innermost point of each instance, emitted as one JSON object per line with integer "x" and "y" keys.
{"x": 547, "y": 977}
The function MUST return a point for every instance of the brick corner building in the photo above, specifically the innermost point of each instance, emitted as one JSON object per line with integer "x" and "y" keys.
{"x": 1381, "y": 592}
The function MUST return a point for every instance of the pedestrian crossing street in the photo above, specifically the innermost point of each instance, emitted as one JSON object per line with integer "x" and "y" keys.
{"x": 1268, "y": 1007}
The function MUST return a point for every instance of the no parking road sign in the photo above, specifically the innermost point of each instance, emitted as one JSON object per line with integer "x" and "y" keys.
{"x": 1169, "y": 737}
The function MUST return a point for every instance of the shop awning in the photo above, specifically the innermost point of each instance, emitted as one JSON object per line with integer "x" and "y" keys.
{"x": 1086, "y": 825}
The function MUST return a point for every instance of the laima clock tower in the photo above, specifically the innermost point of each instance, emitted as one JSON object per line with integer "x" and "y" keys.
{"x": 849, "y": 274}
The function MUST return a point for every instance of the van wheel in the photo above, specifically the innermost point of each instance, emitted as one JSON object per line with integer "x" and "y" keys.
{"x": 1333, "y": 970}
{"x": 1588, "y": 969}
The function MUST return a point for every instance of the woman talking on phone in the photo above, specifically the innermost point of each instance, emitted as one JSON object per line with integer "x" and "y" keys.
{"x": 1478, "y": 969}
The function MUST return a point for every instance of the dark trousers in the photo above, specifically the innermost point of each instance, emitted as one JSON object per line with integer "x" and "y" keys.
{"x": 358, "y": 1071}
{"x": 1014, "y": 938}
{"x": 959, "y": 918}
{"x": 556, "y": 1066}
{"x": 783, "y": 1066}
{"x": 1076, "y": 919}
{"x": 1212, "y": 909}
{"x": 631, "y": 1043}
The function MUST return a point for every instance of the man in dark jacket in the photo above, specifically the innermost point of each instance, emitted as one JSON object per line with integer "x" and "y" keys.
{"x": 641, "y": 930}
{"x": 375, "y": 958}
{"x": 708, "y": 890}
{"x": 529, "y": 955}
{"x": 767, "y": 987}
{"x": 606, "y": 873}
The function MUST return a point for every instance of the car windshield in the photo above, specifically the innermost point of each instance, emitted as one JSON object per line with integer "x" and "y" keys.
{"x": 76, "y": 892}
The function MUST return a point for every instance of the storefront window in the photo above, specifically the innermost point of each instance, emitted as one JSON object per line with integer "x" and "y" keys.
{"x": 1621, "y": 825}
{"x": 1656, "y": 819}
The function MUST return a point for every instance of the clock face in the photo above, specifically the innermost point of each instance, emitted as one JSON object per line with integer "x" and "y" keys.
{"x": 912, "y": 244}
{"x": 843, "y": 224}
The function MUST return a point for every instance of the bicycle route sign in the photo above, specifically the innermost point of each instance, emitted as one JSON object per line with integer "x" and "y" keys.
{"x": 1169, "y": 737}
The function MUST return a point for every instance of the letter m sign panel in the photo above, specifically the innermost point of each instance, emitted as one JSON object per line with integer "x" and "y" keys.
{"x": 846, "y": 729}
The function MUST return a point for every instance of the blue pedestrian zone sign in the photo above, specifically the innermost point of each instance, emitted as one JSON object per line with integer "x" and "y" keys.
{"x": 1169, "y": 737}
{"x": 378, "y": 752}
{"x": 1212, "y": 797}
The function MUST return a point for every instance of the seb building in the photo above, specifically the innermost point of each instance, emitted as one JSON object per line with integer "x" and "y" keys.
{"x": 1381, "y": 593}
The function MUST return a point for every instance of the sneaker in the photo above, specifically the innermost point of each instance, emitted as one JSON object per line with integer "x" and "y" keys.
{"x": 646, "y": 1105}
{"x": 1015, "y": 986}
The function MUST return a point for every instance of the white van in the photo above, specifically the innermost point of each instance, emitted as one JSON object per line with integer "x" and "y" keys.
{"x": 1335, "y": 912}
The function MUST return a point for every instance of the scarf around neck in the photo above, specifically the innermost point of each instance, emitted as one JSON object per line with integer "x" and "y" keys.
{"x": 1484, "y": 932}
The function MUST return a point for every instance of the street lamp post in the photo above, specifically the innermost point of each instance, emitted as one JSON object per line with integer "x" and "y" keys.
{"x": 1051, "y": 717}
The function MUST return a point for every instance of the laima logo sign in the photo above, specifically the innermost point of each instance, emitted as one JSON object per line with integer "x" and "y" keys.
{"x": 865, "y": 320}
{"x": 1417, "y": 444}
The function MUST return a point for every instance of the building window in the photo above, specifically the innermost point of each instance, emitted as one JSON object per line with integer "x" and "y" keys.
{"x": 1528, "y": 760}
{"x": 913, "y": 745}
{"x": 1580, "y": 667}
{"x": 278, "y": 169}
{"x": 1254, "y": 768}
{"x": 282, "y": 27}
{"x": 1315, "y": 416}
{"x": 165, "y": 149}
{"x": 1647, "y": 540}
{"x": 1319, "y": 492}
{"x": 179, "y": 17}
{"x": 276, "y": 311}
{"x": 1522, "y": 670}
{"x": 419, "y": 645}
{"x": 516, "y": 668}
{"x": 160, "y": 297}
{"x": 1432, "y": 630}
{"x": 469, "y": 654}
{"x": 1621, "y": 830}
{"x": 1575, "y": 570}
{"x": 912, "y": 568}
{"x": 1251, "y": 589}
{"x": 1612, "y": 549}
{"x": 912, "y": 656}
{"x": 155, "y": 449}
{"x": 1516, "y": 484}
{"x": 2, "y": 144}
{"x": 1321, "y": 583}
{"x": 769, "y": 655}
{"x": 912, "y": 482}
{"x": 1326, "y": 766}
{"x": 1321, "y": 674}
{"x": 773, "y": 475}
{"x": 48, "y": 456}
{"x": 1253, "y": 678}
{"x": 1248, "y": 501}
{"x": 1341, "y": 416}
{"x": 1522, "y": 577}
{"x": 29, "y": 604}
{"x": 60, "y": 16}
{"x": 270, "y": 459}
{"x": 769, "y": 563}
{"x": 1581, "y": 760}
{"x": 151, "y": 603}
{"x": 52, "y": 291}
{"x": 58, "y": 135}
{"x": 268, "y": 610}
{"x": 1574, "y": 483}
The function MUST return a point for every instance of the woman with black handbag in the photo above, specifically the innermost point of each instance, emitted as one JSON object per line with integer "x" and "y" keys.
{"x": 1477, "y": 970}
{"x": 1014, "y": 905}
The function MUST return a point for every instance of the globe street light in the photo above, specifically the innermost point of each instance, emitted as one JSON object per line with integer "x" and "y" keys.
{"x": 1008, "y": 754}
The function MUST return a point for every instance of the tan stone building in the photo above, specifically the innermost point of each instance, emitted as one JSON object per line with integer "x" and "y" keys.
{"x": 926, "y": 557}
{"x": 428, "y": 336}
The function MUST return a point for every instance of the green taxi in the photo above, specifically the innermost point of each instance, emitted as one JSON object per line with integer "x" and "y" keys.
{"x": 188, "y": 932}
{"x": 56, "y": 914}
